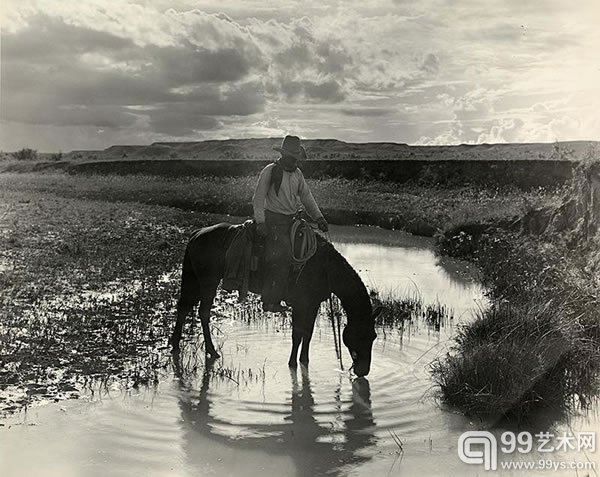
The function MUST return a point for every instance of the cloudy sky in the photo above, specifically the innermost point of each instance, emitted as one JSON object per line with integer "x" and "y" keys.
{"x": 88, "y": 74}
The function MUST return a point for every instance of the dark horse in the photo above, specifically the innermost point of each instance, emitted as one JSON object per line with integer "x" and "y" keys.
{"x": 325, "y": 273}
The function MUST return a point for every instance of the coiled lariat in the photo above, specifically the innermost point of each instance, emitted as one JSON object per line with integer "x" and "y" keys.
{"x": 301, "y": 230}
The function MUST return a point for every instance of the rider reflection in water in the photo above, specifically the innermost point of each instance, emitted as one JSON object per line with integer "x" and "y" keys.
{"x": 280, "y": 191}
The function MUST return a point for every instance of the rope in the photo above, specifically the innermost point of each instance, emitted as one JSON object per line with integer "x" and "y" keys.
{"x": 334, "y": 316}
{"x": 335, "y": 336}
{"x": 308, "y": 242}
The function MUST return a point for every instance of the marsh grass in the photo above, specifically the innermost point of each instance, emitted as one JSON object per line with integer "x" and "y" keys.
{"x": 86, "y": 291}
{"x": 537, "y": 346}
{"x": 511, "y": 361}
{"x": 416, "y": 208}
{"x": 191, "y": 362}
{"x": 399, "y": 310}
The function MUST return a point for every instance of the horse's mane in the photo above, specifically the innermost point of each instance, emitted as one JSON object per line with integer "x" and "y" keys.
{"x": 326, "y": 247}
{"x": 349, "y": 269}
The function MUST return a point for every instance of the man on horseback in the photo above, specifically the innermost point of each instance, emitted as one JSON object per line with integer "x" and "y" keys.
{"x": 280, "y": 191}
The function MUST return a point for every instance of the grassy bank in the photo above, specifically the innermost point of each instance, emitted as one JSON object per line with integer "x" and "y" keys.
{"x": 417, "y": 209}
{"x": 538, "y": 345}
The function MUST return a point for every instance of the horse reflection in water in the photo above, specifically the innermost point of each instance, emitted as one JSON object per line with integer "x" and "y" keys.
{"x": 299, "y": 445}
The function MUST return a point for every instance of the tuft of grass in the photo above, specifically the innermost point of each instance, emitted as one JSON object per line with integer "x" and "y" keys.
{"x": 513, "y": 360}
{"x": 397, "y": 311}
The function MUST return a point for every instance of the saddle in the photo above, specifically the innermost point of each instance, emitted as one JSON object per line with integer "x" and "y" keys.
{"x": 244, "y": 258}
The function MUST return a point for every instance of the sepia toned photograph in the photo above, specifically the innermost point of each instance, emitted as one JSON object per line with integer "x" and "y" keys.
{"x": 299, "y": 238}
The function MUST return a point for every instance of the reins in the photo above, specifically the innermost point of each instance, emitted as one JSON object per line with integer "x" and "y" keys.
{"x": 333, "y": 316}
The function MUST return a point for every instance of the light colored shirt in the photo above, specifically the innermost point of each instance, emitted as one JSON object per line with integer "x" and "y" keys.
{"x": 293, "y": 193}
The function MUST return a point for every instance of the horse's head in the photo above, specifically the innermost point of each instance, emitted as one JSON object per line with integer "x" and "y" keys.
{"x": 360, "y": 343}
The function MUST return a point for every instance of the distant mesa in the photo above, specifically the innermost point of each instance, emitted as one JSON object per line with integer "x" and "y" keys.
{"x": 261, "y": 149}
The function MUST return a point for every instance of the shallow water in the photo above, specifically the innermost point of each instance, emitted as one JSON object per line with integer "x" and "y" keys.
{"x": 248, "y": 414}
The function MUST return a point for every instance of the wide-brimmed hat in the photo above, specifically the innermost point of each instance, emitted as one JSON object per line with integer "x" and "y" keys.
{"x": 291, "y": 146}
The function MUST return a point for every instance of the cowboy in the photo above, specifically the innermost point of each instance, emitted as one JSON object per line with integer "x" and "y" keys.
{"x": 281, "y": 189}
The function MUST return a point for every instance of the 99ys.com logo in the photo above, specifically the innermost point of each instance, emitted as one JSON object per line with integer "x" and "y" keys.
{"x": 469, "y": 454}
{"x": 481, "y": 448}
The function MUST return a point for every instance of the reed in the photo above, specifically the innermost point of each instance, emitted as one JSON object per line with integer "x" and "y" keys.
{"x": 404, "y": 309}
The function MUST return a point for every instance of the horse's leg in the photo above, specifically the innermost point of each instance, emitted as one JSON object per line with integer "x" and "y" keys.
{"x": 183, "y": 308}
{"x": 188, "y": 298}
{"x": 307, "y": 332}
{"x": 206, "y": 302}
{"x": 296, "y": 339}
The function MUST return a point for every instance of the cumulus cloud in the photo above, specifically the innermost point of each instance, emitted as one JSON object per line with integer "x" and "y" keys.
{"x": 44, "y": 37}
{"x": 189, "y": 65}
{"x": 408, "y": 71}
{"x": 89, "y": 77}
{"x": 328, "y": 91}
{"x": 60, "y": 70}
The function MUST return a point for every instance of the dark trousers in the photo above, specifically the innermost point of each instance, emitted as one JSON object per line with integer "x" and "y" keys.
{"x": 278, "y": 256}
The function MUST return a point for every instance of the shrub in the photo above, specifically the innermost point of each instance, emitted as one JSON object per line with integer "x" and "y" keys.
{"x": 26, "y": 154}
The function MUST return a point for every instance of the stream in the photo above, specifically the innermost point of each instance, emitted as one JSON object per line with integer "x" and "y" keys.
{"x": 249, "y": 414}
